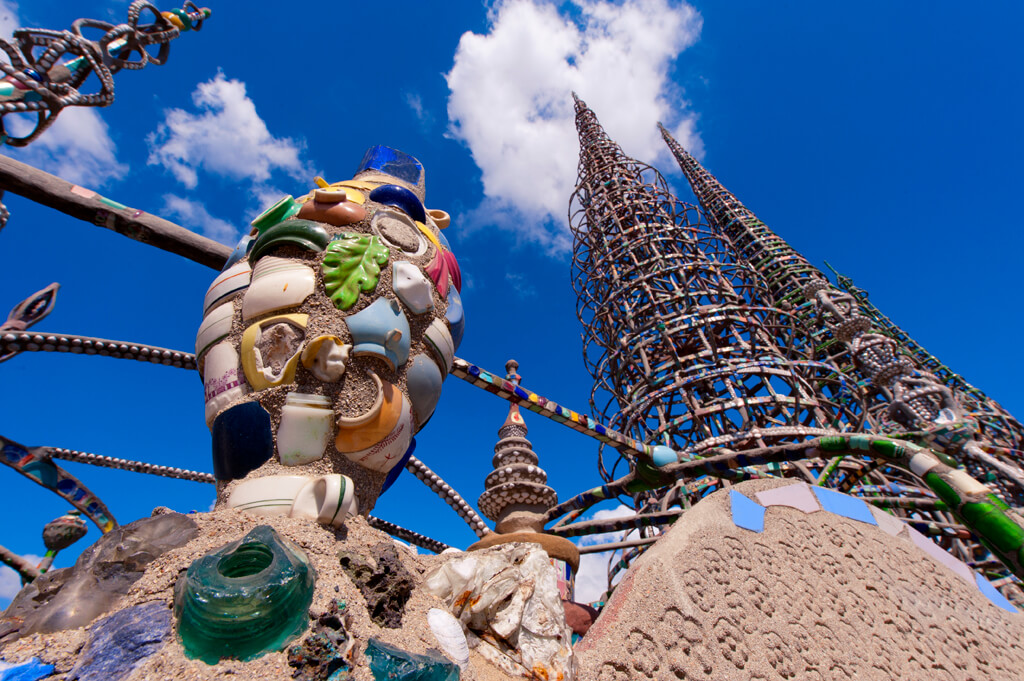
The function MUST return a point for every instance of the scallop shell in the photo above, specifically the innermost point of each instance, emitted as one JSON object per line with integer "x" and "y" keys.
{"x": 449, "y": 635}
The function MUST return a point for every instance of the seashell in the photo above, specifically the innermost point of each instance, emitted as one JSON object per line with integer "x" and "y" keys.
{"x": 450, "y": 636}
{"x": 245, "y": 599}
{"x": 398, "y": 231}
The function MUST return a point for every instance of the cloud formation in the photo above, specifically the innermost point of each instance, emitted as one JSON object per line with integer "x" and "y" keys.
{"x": 510, "y": 100}
{"x": 592, "y": 577}
{"x": 10, "y": 582}
{"x": 225, "y": 136}
{"x": 77, "y": 147}
{"x": 194, "y": 216}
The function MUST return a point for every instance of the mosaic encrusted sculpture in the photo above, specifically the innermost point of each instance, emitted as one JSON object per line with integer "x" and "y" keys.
{"x": 325, "y": 341}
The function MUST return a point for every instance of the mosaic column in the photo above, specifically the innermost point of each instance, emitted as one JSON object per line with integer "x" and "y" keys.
{"x": 325, "y": 341}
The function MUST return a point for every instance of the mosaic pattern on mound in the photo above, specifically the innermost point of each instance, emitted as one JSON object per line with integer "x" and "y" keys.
{"x": 750, "y": 514}
{"x": 812, "y": 597}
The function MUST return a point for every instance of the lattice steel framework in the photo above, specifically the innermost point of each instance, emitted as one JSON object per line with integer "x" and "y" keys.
{"x": 904, "y": 397}
{"x": 682, "y": 349}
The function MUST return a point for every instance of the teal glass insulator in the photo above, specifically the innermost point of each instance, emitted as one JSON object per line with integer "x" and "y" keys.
{"x": 245, "y": 599}
{"x": 388, "y": 663}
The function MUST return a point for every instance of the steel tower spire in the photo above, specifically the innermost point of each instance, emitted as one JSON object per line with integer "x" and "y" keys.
{"x": 904, "y": 395}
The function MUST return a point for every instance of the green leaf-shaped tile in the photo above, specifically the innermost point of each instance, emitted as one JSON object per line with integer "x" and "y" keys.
{"x": 352, "y": 264}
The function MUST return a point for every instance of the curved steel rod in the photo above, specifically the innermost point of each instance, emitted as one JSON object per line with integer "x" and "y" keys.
{"x": 408, "y": 535}
{"x": 14, "y": 343}
{"x": 449, "y": 495}
{"x": 128, "y": 465}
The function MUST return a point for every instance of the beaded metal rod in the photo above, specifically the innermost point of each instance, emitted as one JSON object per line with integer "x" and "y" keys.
{"x": 616, "y": 524}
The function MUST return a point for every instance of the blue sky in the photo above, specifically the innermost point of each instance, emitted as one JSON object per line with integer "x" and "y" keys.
{"x": 884, "y": 138}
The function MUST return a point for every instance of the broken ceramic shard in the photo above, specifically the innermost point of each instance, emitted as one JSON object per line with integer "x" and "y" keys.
{"x": 412, "y": 287}
{"x": 388, "y": 662}
{"x": 242, "y": 440}
{"x": 245, "y": 599}
{"x": 381, "y": 330}
{"x": 332, "y": 205}
{"x": 326, "y": 357}
{"x": 399, "y": 231}
{"x": 307, "y": 423}
{"x": 270, "y": 350}
{"x": 227, "y": 285}
{"x": 223, "y": 382}
{"x": 216, "y": 326}
{"x": 401, "y": 198}
{"x": 456, "y": 317}
{"x": 424, "y": 384}
{"x": 439, "y": 340}
{"x": 352, "y": 264}
{"x": 277, "y": 283}
{"x": 378, "y": 438}
{"x": 302, "y": 233}
{"x": 327, "y": 499}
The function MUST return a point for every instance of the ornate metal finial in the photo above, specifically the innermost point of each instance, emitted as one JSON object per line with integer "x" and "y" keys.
{"x": 38, "y": 79}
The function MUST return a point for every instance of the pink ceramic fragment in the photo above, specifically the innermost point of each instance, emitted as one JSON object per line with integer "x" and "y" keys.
{"x": 938, "y": 555}
{"x": 889, "y": 524}
{"x": 796, "y": 496}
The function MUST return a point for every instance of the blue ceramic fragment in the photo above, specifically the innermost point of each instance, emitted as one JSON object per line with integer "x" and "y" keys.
{"x": 388, "y": 663}
{"x": 119, "y": 642}
{"x": 663, "y": 456}
{"x": 33, "y": 670}
{"x": 391, "y": 162}
{"x": 240, "y": 252}
{"x": 424, "y": 383}
{"x": 401, "y": 198}
{"x": 399, "y": 467}
{"x": 993, "y": 594}
{"x": 844, "y": 505}
{"x": 746, "y": 513}
{"x": 382, "y": 330}
{"x": 242, "y": 441}
{"x": 456, "y": 316}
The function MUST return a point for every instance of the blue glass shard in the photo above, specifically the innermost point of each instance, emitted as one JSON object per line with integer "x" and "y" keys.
{"x": 844, "y": 505}
{"x": 391, "y": 162}
{"x": 746, "y": 513}
{"x": 399, "y": 467}
{"x": 32, "y": 670}
{"x": 993, "y": 594}
{"x": 401, "y": 198}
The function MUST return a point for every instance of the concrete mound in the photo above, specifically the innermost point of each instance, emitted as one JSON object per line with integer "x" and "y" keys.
{"x": 811, "y": 596}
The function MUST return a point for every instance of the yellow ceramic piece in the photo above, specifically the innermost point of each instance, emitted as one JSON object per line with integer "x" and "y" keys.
{"x": 256, "y": 374}
{"x": 359, "y": 433}
{"x": 440, "y": 217}
{"x": 321, "y": 182}
{"x": 353, "y": 191}
{"x": 178, "y": 23}
{"x": 430, "y": 235}
{"x": 359, "y": 184}
{"x": 326, "y": 362}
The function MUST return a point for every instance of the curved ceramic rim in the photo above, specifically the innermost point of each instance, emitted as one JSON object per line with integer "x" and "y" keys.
{"x": 378, "y": 404}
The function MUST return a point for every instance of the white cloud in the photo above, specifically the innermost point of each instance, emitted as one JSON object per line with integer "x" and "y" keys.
{"x": 10, "y": 582}
{"x": 423, "y": 115}
{"x": 510, "y": 99}
{"x": 8, "y": 18}
{"x": 77, "y": 147}
{"x": 592, "y": 577}
{"x": 194, "y": 216}
{"x": 224, "y": 137}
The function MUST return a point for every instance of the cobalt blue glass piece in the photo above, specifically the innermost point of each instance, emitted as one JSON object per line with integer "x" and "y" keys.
{"x": 242, "y": 441}
{"x": 119, "y": 642}
{"x": 746, "y": 513}
{"x": 399, "y": 467}
{"x": 844, "y": 505}
{"x": 391, "y": 162}
{"x": 455, "y": 316}
{"x": 33, "y": 670}
{"x": 401, "y": 198}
